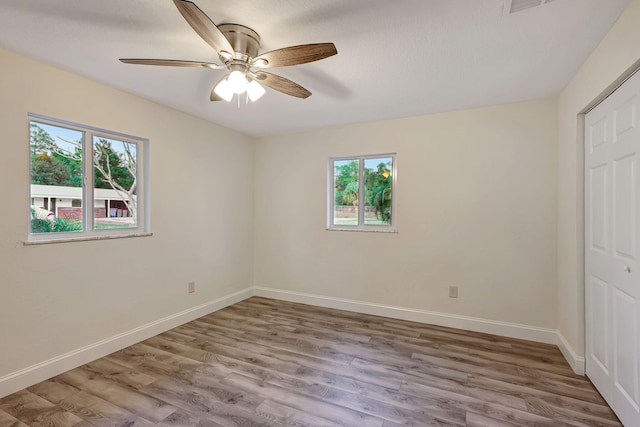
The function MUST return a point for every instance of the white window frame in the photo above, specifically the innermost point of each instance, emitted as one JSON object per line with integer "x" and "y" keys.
{"x": 89, "y": 233}
{"x": 387, "y": 228}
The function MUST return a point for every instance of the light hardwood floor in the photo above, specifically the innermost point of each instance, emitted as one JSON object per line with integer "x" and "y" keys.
{"x": 263, "y": 362}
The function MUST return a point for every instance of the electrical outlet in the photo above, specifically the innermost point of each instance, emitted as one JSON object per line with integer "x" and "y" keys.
{"x": 192, "y": 287}
{"x": 453, "y": 292}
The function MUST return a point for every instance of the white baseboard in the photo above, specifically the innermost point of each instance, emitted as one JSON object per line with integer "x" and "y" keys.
{"x": 49, "y": 368}
{"x": 513, "y": 330}
{"x": 34, "y": 374}
{"x": 506, "y": 329}
{"x": 576, "y": 362}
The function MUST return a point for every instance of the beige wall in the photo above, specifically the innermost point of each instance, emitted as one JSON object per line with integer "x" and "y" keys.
{"x": 618, "y": 51}
{"x": 57, "y": 298}
{"x": 476, "y": 208}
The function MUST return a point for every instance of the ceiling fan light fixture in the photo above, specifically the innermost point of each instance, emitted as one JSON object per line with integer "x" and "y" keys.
{"x": 224, "y": 90}
{"x": 255, "y": 90}
{"x": 237, "y": 82}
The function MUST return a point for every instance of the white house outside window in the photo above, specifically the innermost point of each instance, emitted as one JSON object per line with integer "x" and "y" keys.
{"x": 361, "y": 193}
{"x": 85, "y": 182}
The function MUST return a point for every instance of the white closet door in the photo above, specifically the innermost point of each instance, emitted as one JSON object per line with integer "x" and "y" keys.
{"x": 612, "y": 242}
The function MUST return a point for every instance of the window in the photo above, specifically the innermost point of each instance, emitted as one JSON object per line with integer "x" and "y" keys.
{"x": 85, "y": 182}
{"x": 361, "y": 192}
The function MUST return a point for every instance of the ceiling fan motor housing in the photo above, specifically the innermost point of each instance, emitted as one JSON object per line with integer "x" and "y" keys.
{"x": 244, "y": 40}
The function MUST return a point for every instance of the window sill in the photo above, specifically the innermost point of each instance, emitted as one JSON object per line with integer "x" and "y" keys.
{"x": 84, "y": 239}
{"x": 364, "y": 230}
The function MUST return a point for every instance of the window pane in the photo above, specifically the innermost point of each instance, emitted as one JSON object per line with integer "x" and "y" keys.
{"x": 56, "y": 178}
{"x": 115, "y": 179}
{"x": 345, "y": 191}
{"x": 377, "y": 190}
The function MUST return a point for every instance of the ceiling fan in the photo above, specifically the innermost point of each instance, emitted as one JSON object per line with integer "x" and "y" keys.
{"x": 237, "y": 47}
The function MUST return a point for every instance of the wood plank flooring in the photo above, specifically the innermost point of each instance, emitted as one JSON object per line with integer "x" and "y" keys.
{"x": 264, "y": 362}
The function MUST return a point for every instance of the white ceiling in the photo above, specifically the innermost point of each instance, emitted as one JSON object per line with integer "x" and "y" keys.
{"x": 395, "y": 58}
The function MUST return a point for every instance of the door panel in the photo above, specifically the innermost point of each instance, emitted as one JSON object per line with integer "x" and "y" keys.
{"x": 624, "y": 207}
{"x": 624, "y": 117}
{"x": 598, "y": 223}
{"x": 612, "y": 236}
{"x": 625, "y": 308}
{"x": 599, "y": 348}
{"x": 598, "y": 133}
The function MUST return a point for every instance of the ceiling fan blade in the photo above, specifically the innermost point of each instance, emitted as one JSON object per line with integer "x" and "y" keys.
{"x": 294, "y": 55}
{"x": 171, "y": 63}
{"x": 282, "y": 85}
{"x": 204, "y": 26}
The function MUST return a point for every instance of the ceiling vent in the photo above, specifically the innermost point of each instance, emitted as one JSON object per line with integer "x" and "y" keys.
{"x": 513, "y": 6}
